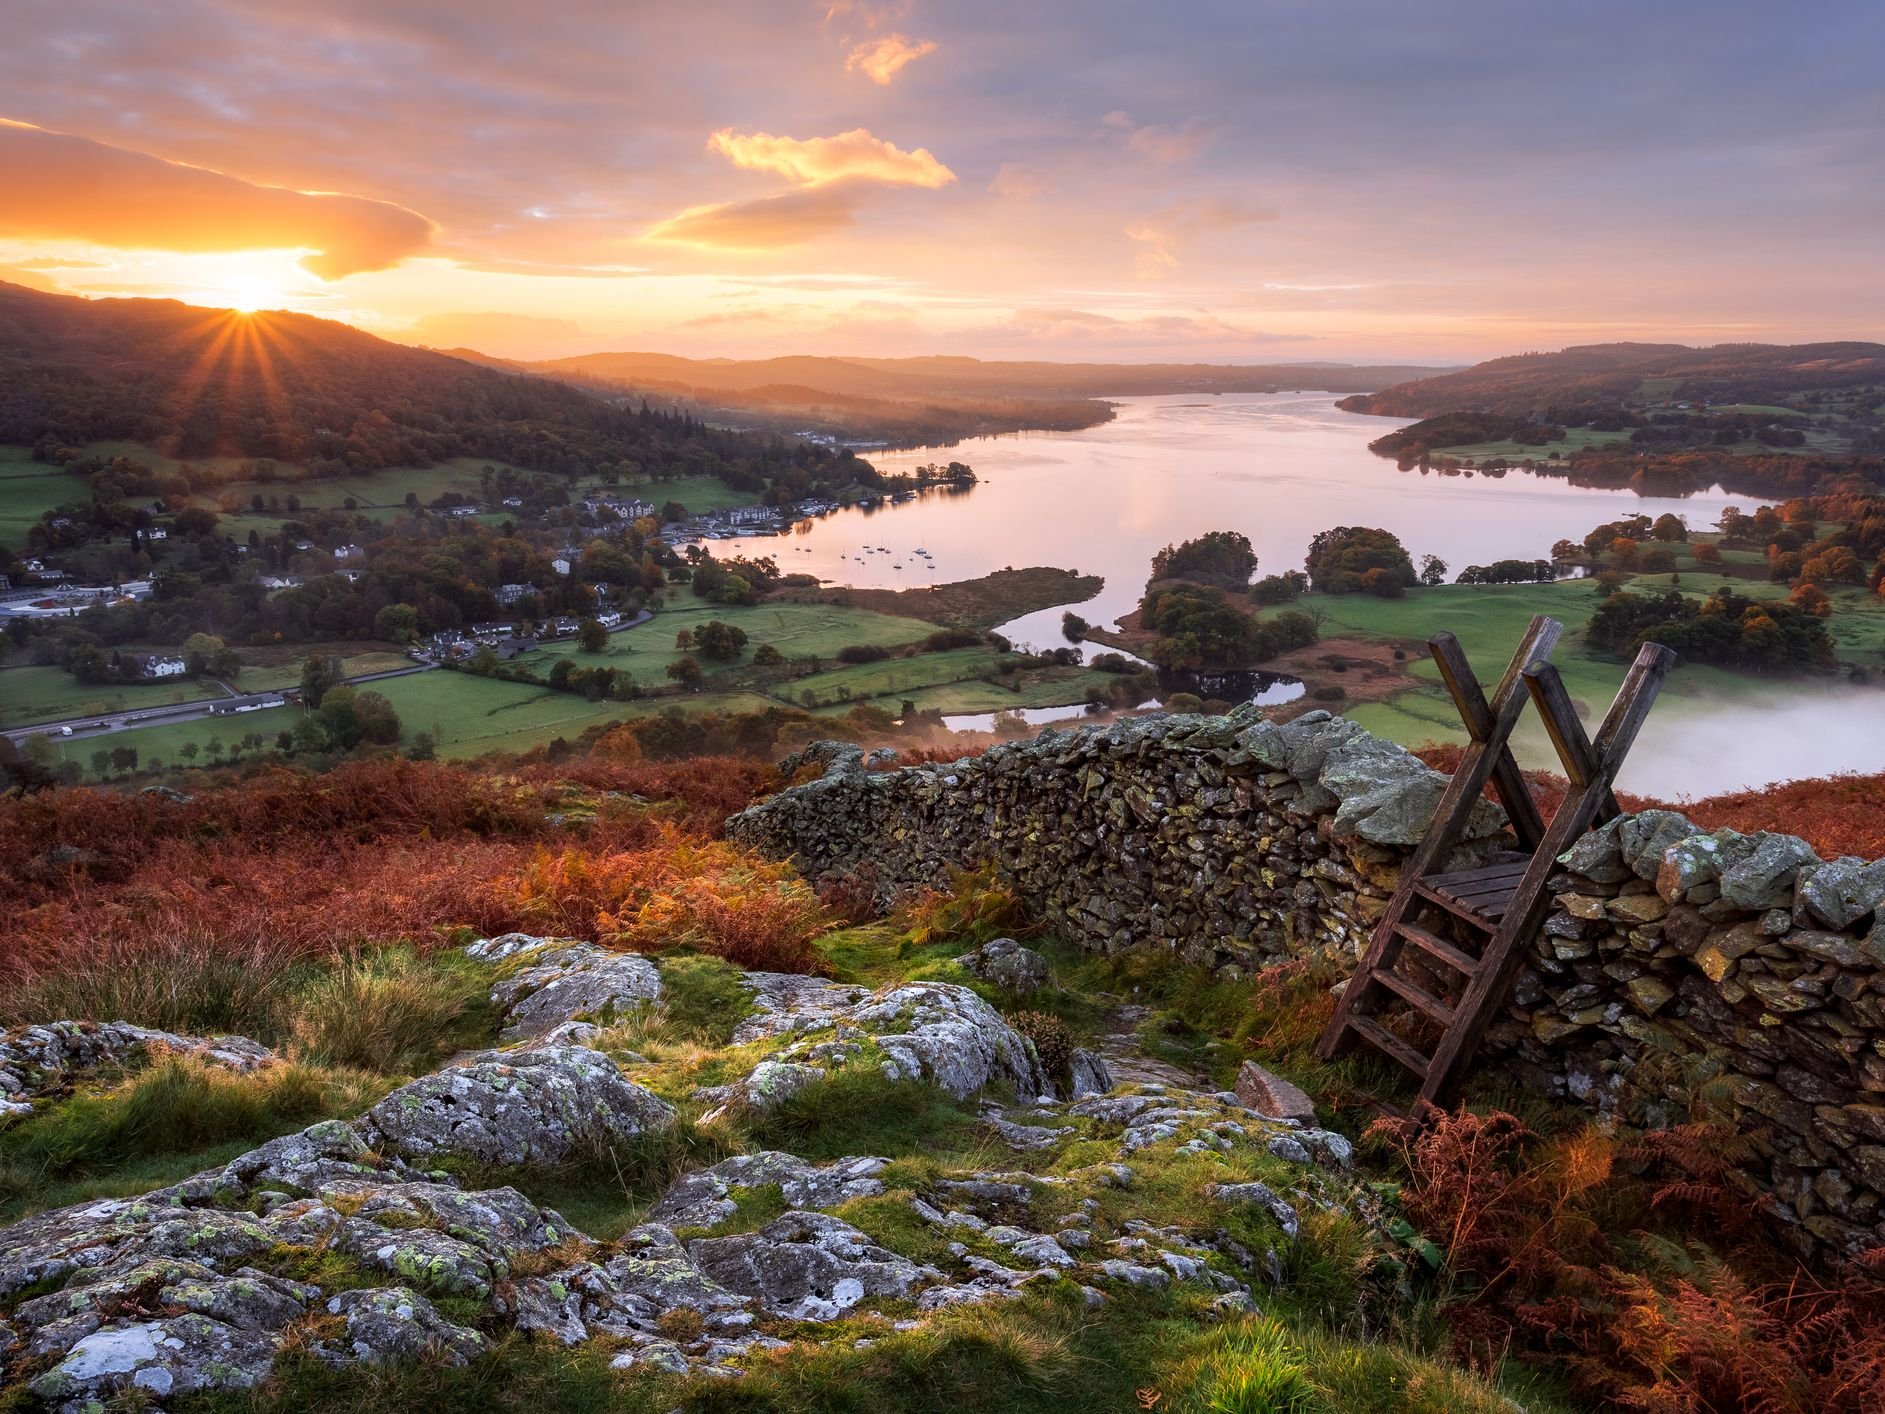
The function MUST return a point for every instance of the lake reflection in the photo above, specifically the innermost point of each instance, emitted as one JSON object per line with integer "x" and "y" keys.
{"x": 1278, "y": 467}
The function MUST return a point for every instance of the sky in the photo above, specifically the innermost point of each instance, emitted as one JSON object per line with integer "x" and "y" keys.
{"x": 1241, "y": 180}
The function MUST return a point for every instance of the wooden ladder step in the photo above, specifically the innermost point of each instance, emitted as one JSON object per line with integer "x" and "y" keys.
{"x": 1462, "y": 909}
{"x": 1388, "y": 1043}
{"x": 1416, "y": 996}
{"x": 1439, "y": 948}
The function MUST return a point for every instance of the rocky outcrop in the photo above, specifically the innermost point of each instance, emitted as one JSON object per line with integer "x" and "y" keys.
{"x": 940, "y": 1033}
{"x": 506, "y": 1108}
{"x": 549, "y": 981}
{"x": 705, "y": 1198}
{"x": 808, "y": 1266}
{"x": 1227, "y": 839}
{"x": 1004, "y": 963}
{"x": 37, "y": 1059}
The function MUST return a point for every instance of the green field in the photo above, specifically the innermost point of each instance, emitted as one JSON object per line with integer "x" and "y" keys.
{"x": 28, "y": 489}
{"x": 256, "y": 678}
{"x": 1575, "y": 439}
{"x": 796, "y": 630}
{"x": 699, "y": 494}
{"x": 48, "y": 694}
{"x": 1489, "y": 621}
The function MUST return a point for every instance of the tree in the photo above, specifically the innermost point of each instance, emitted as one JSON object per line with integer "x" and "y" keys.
{"x": 1432, "y": 570}
{"x": 1221, "y": 557}
{"x": 1383, "y": 583}
{"x": 424, "y": 747}
{"x": 719, "y": 641}
{"x": 767, "y": 656}
{"x": 214, "y": 747}
{"x": 339, "y": 717}
{"x": 1706, "y": 554}
{"x": 396, "y": 623}
{"x": 1670, "y": 528}
{"x": 1339, "y": 558}
{"x": 1073, "y": 627}
{"x": 687, "y": 672}
{"x": 101, "y": 763}
{"x": 319, "y": 674}
{"x": 378, "y": 723}
{"x": 684, "y": 640}
{"x": 188, "y": 750}
{"x": 40, "y": 749}
{"x": 124, "y": 758}
{"x": 592, "y": 636}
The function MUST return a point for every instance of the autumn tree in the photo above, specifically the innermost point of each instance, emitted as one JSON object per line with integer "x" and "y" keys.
{"x": 593, "y": 636}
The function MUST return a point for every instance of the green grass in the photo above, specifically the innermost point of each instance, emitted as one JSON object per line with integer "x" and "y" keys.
{"x": 1575, "y": 439}
{"x": 32, "y": 693}
{"x": 1489, "y": 621}
{"x": 178, "y": 1105}
{"x": 796, "y": 630}
{"x": 28, "y": 489}
{"x": 699, "y": 494}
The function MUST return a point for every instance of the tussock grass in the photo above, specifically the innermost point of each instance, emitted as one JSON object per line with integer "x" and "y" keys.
{"x": 388, "y": 1012}
{"x": 176, "y": 1105}
{"x": 858, "y": 1111}
{"x": 189, "y": 984}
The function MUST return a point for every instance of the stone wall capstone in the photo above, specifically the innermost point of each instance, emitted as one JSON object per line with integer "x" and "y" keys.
{"x": 1681, "y": 973}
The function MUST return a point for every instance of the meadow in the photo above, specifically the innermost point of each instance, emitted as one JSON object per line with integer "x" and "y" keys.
{"x": 36, "y": 693}
{"x": 28, "y": 489}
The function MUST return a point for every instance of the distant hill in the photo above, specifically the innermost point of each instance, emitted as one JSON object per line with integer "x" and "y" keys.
{"x": 940, "y": 375}
{"x": 1527, "y": 385}
{"x": 914, "y": 401}
{"x": 194, "y": 383}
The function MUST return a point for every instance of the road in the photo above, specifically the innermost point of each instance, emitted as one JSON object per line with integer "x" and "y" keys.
{"x": 111, "y": 723}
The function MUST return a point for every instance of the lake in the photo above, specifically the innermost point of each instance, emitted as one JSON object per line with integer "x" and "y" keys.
{"x": 1278, "y": 466}
{"x": 1281, "y": 467}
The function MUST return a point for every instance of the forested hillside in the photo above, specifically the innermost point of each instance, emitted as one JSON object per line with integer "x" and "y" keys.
{"x": 197, "y": 383}
{"x": 1525, "y": 385}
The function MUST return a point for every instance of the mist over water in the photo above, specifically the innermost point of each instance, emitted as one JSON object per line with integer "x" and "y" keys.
{"x": 1687, "y": 750}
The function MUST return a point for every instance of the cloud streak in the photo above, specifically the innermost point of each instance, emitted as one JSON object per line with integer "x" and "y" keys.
{"x": 883, "y": 58}
{"x": 1164, "y": 232}
{"x": 71, "y": 188}
{"x": 767, "y": 223}
{"x": 813, "y": 162}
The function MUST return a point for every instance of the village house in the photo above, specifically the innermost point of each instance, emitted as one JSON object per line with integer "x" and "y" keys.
{"x": 152, "y": 666}
{"x": 508, "y": 594}
{"x": 561, "y": 566}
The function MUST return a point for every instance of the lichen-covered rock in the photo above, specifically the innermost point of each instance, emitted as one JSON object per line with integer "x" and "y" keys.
{"x": 785, "y": 1003}
{"x": 1759, "y": 870}
{"x": 807, "y": 1266}
{"x": 506, "y": 1108}
{"x": 1007, "y": 964}
{"x": 773, "y": 1082}
{"x": 177, "y": 1355}
{"x": 438, "y": 1263}
{"x": 34, "y": 1059}
{"x": 1842, "y": 892}
{"x": 108, "y": 1237}
{"x": 561, "y": 981}
{"x": 946, "y": 1035}
{"x": 1089, "y": 1073}
{"x": 1261, "y": 1195}
{"x": 387, "y": 1324}
{"x": 705, "y": 1198}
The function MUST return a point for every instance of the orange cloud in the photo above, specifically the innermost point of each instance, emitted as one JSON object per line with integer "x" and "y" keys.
{"x": 1019, "y": 182}
{"x": 1166, "y": 145}
{"x": 814, "y": 162}
{"x": 764, "y": 224}
{"x": 71, "y": 188}
{"x": 884, "y": 57}
{"x": 1163, "y": 232}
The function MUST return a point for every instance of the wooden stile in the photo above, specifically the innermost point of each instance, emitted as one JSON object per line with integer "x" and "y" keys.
{"x": 1504, "y": 901}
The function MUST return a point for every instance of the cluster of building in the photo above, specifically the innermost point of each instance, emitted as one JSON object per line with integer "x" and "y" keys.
{"x": 50, "y": 594}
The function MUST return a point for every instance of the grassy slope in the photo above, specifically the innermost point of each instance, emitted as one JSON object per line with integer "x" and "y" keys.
{"x": 1489, "y": 621}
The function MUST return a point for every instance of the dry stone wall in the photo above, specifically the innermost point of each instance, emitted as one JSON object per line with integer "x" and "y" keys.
{"x": 1231, "y": 840}
{"x": 1680, "y": 974}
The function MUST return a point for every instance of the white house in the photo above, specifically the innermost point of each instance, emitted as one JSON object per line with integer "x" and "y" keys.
{"x": 508, "y": 594}
{"x": 153, "y": 666}
{"x": 561, "y": 566}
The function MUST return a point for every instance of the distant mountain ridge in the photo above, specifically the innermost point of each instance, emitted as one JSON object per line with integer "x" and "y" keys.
{"x": 958, "y": 376}
{"x": 1524, "y": 385}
